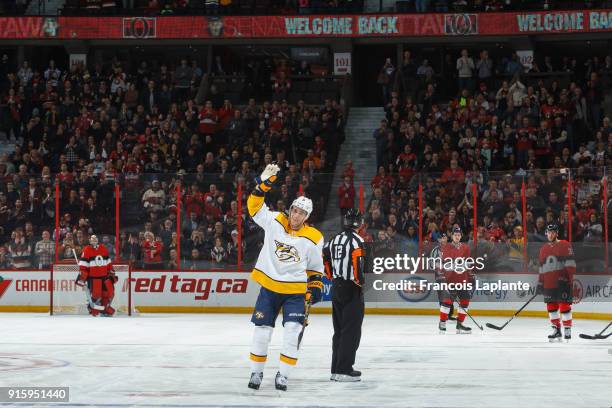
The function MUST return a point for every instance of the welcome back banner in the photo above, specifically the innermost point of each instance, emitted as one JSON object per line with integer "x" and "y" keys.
{"x": 350, "y": 26}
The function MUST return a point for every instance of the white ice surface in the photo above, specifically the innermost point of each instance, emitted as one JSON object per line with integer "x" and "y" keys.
{"x": 202, "y": 361}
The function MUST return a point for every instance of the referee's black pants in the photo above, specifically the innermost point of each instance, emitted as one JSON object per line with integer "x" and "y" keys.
{"x": 348, "y": 307}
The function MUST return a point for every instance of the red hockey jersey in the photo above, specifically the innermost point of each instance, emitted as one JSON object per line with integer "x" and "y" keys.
{"x": 459, "y": 254}
{"x": 556, "y": 263}
{"x": 95, "y": 262}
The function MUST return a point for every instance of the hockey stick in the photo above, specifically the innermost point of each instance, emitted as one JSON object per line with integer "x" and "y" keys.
{"x": 492, "y": 326}
{"x": 467, "y": 313}
{"x": 306, "y": 314}
{"x": 87, "y": 292}
{"x": 598, "y": 336}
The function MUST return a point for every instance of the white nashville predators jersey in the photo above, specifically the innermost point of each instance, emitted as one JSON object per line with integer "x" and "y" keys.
{"x": 288, "y": 257}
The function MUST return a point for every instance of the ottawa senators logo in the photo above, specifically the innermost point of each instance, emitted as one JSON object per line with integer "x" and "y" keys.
{"x": 286, "y": 253}
{"x": 461, "y": 24}
{"x": 139, "y": 27}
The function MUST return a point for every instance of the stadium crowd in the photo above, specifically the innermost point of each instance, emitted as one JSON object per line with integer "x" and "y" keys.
{"x": 503, "y": 127}
{"x": 150, "y": 128}
{"x": 142, "y": 128}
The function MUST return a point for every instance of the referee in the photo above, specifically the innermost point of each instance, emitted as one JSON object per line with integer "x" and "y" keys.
{"x": 344, "y": 260}
{"x": 436, "y": 253}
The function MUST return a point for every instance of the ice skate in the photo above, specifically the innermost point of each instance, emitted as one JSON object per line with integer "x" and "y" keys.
{"x": 255, "y": 381}
{"x": 567, "y": 333}
{"x": 555, "y": 335}
{"x": 461, "y": 329}
{"x": 354, "y": 376}
{"x": 442, "y": 327}
{"x": 280, "y": 382}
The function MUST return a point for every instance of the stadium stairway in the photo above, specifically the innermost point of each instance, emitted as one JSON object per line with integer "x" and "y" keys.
{"x": 46, "y": 7}
{"x": 359, "y": 147}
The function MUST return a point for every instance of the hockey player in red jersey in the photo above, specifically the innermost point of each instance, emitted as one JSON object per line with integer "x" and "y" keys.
{"x": 96, "y": 270}
{"x": 557, "y": 269}
{"x": 458, "y": 252}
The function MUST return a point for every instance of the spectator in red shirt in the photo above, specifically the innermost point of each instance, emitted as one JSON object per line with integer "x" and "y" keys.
{"x": 226, "y": 112}
{"x": 382, "y": 180}
{"x": 584, "y": 213}
{"x": 453, "y": 174}
{"x": 194, "y": 202}
{"x": 275, "y": 122}
{"x": 211, "y": 207}
{"x": 152, "y": 248}
{"x": 494, "y": 232}
{"x": 208, "y": 119}
{"x": 408, "y": 155}
{"x": 346, "y": 195}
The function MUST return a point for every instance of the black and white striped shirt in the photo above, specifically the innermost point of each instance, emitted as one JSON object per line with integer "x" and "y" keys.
{"x": 436, "y": 253}
{"x": 344, "y": 257}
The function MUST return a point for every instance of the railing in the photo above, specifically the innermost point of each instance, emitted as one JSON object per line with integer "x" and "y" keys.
{"x": 197, "y": 221}
{"x": 503, "y": 216}
{"x": 201, "y": 222}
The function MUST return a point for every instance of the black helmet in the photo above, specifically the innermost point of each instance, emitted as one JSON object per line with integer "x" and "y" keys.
{"x": 552, "y": 227}
{"x": 352, "y": 219}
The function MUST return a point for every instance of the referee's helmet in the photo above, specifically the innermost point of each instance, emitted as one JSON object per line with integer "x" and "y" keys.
{"x": 352, "y": 219}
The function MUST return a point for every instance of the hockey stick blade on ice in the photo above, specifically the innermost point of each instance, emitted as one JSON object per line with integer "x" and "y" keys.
{"x": 492, "y": 326}
{"x": 595, "y": 336}
{"x": 598, "y": 336}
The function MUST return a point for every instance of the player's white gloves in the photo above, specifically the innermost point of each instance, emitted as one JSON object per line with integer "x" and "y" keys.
{"x": 269, "y": 171}
{"x": 267, "y": 178}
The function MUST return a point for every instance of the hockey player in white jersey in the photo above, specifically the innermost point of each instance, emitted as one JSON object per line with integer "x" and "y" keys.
{"x": 289, "y": 270}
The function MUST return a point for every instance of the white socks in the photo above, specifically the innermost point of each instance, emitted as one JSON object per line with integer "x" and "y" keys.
{"x": 289, "y": 352}
{"x": 259, "y": 348}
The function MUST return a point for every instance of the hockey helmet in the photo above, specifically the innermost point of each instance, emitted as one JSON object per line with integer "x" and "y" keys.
{"x": 352, "y": 219}
{"x": 552, "y": 227}
{"x": 303, "y": 203}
